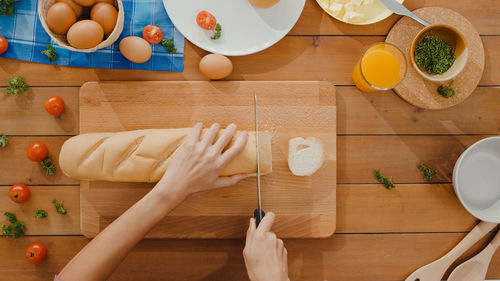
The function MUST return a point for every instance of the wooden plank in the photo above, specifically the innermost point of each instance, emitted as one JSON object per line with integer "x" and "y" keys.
{"x": 314, "y": 21}
{"x": 41, "y": 198}
{"x": 382, "y": 256}
{"x": 357, "y": 158}
{"x": 286, "y": 109}
{"x": 17, "y": 168}
{"x": 358, "y": 113}
{"x": 25, "y": 114}
{"x": 386, "y": 113}
{"x": 398, "y": 156}
{"x": 295, "y": 58}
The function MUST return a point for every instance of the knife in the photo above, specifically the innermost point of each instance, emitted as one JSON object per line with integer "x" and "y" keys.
{"x": 258, "y": 213}
{"x": 399, "y": 9}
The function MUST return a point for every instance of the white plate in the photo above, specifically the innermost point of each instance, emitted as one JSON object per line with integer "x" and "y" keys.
{"x": 373, "y": 13}
{"x": 476, "y": 178}
{"x": 245, "y": 29}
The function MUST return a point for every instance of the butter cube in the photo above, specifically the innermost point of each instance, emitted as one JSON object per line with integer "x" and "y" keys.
{"x": 349, "y": 7}
{"x": 357, "y": 2}
{"x": 336, "y": 8}
{"x": 353, "y": 16}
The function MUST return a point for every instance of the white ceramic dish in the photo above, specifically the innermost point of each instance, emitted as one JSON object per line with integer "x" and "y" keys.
{"x": 245, "y": 29}
{"x": 476, "y": 179}
{"x": 373, "y": 13}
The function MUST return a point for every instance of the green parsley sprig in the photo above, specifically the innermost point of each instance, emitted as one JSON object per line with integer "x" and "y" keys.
{"x": 4, "y": 141}
{"x": 50, "y": 53}
{"x": 428, "y": 171}
{"x": 7, "y": 7}
{"x": 15, "y": 229}
{"x": 48, "y": 166}
{"x": 446, "y": 91}
{"x": 169, "y": 45}
{"x": 59, "y": 207}
{"x": 17, "y": 85}
{"x": 387, "y": 181}
{"x": 217, "y": 32}
{"x": 41, "y": 214}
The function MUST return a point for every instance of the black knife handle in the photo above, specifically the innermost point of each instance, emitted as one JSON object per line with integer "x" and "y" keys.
{"x": 258, "y": 218}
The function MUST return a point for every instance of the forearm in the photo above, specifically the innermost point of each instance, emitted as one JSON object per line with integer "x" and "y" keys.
{"x": 105, "y": 252}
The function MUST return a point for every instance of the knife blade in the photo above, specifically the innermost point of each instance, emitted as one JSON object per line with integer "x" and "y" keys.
{"x": 400, "y": 9}
{"x": 258, "y": 213}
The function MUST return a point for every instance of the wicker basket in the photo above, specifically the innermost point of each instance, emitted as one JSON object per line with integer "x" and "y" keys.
{"x": 43, "y": 7}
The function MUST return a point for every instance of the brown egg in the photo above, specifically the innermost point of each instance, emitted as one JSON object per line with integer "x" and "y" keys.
{"x": 135, "y": 49}
{"x": 85, "y": 3}
{"x": 60, "y": 17}
{"x": 106, "y": 15}
{"x": 214, "y": 66}
{"x": 76, "y": 8}
{"x": 85, "y": 34}
{"x": 263, "y": 3}
{"x": 105, "y": 1}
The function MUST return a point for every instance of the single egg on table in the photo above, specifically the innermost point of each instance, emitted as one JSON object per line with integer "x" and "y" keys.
{"x": 215, "y": 66}
{"x": 60, "y": 17}
{"x": 76, "y": 8}
{"x": 135, "y": 49}
{"x": 85, "y": 3}
{"x": 85, "y": 34}
{"x": 106, "y": 15}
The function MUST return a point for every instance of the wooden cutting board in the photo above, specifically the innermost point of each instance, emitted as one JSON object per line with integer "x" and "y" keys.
{"x": 305, "y": 206}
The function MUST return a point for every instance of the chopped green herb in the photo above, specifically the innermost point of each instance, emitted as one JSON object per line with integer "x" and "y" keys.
{"x": 50, "y": 52}
{"x": 48, "y": 166}
{"x": 447, "y": 91}
{"x": 10, "y": 217}
{"x": 169, "y": 45}
{"x": 41, "y": 214}
{"x": 434, "y": 55}
{"x": 4, "y": 141}
{"x": 59, "y": 207}
{"x": 384, "y": 180}
{"x": 7, "y": 7}
{"x": 19, "y": 229}
{"x": 217, "y": 32}
{"x": 7, "y": 229}
{"x": 17, "y": 85}
{"x": 428, "y": 171}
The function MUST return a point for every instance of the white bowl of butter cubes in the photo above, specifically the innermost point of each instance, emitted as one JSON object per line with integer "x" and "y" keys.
{"x": 358, "y": 12}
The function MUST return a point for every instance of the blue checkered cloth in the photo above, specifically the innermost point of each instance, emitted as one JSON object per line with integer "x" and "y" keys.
{"x": 27, "y": 38}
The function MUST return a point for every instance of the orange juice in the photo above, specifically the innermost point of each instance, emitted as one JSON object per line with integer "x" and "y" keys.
{"x": 380, "y": 68}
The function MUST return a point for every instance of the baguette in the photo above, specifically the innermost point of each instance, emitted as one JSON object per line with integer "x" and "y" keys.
{"x": 143, "y": 155}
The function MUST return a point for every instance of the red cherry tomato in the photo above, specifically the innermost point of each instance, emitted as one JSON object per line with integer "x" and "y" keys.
{"x": 152, "y": 33}
{"x": 206, "y": 20}
{"x": 54, "y": 105}
{"x": 4, "y": 45}
{"x": 37, "y": 152}
{"x": 19, "y": 193}
{"x": 36, "y": 253}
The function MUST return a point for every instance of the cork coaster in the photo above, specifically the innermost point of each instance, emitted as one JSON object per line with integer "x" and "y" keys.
{"x": 423, "y": 93}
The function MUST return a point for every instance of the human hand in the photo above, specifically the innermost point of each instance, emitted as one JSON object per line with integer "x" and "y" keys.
{"x": 197, "y": 164}
{"x": 266, "y": 258}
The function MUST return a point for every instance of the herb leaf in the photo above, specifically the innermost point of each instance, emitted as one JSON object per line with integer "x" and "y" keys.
{"x": 48, "y": 166}
{"x": 446, "y": 91}
{"x": 429, "y": 173}
{"x": 434, "y": 55}
{"x": 169, "y": 45}
{"x": 40, "y": 214}
{"x": 217, "y": 32}
{"x": 10, "y": 217}
{"x": 19, "y": 229}
{"x": 384, "y": 180}
{"x": 50, "y": 53}
{"x": 4, "y": 141}
{"x": 7, "y": 7}
{"x": 59, "y": 207}
{"x": 17, "y": 85}
{"x": 7, "y": 230}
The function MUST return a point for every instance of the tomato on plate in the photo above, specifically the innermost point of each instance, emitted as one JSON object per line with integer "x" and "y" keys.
{"x": 54, "y": 105}
{"x": 152, "y": 33}
{"x": 4, "y": 45}
{"x": 37, "y": 152}
{"x": 36, "y": 253}
{"x": 19, "y": 193}
{"x": 206, "y": 20}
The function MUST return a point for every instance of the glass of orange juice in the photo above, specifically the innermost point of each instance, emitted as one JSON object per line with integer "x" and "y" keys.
{"x": 380, "y": 68}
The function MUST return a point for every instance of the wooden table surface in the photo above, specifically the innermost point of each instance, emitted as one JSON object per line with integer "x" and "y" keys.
{"x": 381, "y": 234}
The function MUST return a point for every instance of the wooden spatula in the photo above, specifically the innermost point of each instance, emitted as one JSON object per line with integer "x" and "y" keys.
{"x": 475, "y": 269}
{"x": 434, "y": 271}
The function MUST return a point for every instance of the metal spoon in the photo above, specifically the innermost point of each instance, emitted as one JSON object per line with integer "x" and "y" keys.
{"x": 399, "y": 9}
{"x": 475, "y": 269}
